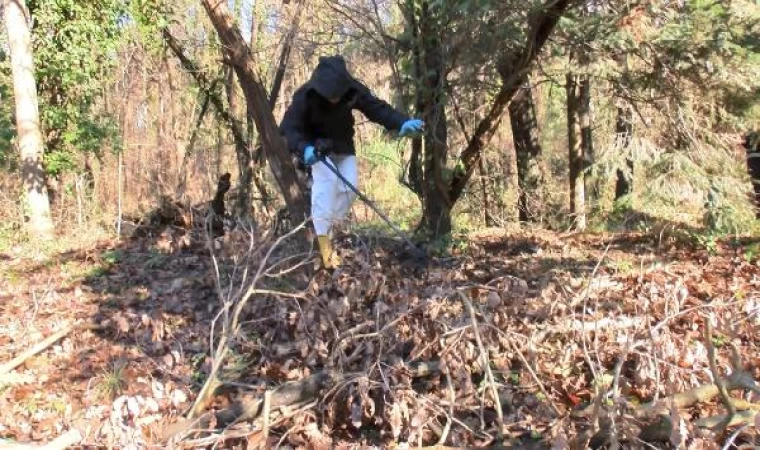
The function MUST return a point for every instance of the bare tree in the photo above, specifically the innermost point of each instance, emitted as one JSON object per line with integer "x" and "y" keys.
{"x": 239, "y": 55}
{"x": 623, "y": 137}
{"x": 30, "y": 141}
{"x": 575, "y": 150}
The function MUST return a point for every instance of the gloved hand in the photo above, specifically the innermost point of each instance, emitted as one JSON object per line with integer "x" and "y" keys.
{"x": 411, "y": 127}
{"x": 309, "y": 155}
{"x": 323, "y": 146}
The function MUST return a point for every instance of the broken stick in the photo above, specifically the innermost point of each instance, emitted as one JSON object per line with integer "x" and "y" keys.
{"x": 486, "y": 363}
{"x": 62, "y": 442}
{"x": 50, "y": 340}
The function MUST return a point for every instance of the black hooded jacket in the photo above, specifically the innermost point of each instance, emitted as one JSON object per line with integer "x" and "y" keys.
{"x": 311, "y": 116}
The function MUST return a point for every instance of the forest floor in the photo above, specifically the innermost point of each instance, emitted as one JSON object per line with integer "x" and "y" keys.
{"x": 581, "y": 333}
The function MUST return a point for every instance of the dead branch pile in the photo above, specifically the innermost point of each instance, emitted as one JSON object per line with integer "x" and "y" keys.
{"x": 484, "y": 352}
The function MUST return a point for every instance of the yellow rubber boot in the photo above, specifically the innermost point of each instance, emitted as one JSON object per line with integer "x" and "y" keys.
{"x": 330, "y": 259}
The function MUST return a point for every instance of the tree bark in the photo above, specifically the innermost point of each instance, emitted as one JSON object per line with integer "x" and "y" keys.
{"x": 623, "y": 137}
{"x": 575, "y": 151}
{"x": 522, "y": 115}
{"x": 39, "y": 224}
{"x": 275, "y": 150}
{"x": 436, "y": 206}
{"x": 591, "y": 181}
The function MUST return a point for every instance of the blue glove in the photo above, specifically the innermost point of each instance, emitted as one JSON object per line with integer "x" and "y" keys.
{"x": 309, "y": 155}
{"x": 411, "y": 127}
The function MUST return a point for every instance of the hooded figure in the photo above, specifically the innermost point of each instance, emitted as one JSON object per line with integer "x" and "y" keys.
{"x": 320, "y": 115}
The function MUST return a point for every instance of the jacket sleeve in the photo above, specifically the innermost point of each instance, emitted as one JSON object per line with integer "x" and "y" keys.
{"x": 293, "y": 127}
{"x": 377, "y": 110}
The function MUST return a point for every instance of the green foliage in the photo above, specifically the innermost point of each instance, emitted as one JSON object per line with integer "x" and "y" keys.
{"x": 8, "y": 157}
{"x": 75, "y": 48}
{"x": 111, "y": 382}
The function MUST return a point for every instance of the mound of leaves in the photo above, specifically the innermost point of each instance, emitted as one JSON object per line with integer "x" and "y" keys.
{"x": 585, "y": 341}
{"x": 527, "y": 340}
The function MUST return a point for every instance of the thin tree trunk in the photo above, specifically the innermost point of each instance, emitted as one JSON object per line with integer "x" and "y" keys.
{"x": 483, "y": 172}
{"x": 120, "y": 193}
{"x": 436, "y": 206}
{"x": 253, "y": 46}
{"x": 752, "y": 146}
{"x": 575, "y": 151}
{"x": 182, "y": 185}
{"x": 243, "y": 205}
{"x": 414, "y": 172}
{"x": 232, "y": 98}
{"x": 235, "y": 127}
{"x": 522, "y": 115}
{"x": 623, "y": 138}
{"x": 591, "y": 182}
{"x": 280, "y": 160}
{"x": 282, "y": 63}
{"x": 31, "y": 147}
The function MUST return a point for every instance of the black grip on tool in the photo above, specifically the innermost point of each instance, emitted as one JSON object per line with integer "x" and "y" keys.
{"x": 323, "y": 147}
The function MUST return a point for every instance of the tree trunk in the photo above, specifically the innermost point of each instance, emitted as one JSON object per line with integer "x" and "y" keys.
{"x": 275, "y": 150}
{"x": 522, "y": 115}
{"x": 752, "y": 146}
{"x": 591, "y": 181}
{"x": 39, "y": 224}
{"x": 436, "y": 207}
{"x": 243, "y": 205}
{"x": 623, "y": 138}
{"x": 575, "y": 151}
{"x": 188, "y": 151}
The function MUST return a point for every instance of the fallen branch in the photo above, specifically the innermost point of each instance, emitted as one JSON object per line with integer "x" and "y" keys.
{"x": 725, "y": 399}
{"x": 231, "y": 326}
{"x": 581, "y": 326}
{"x": 44, "y": 344}
{"x": 739, "y": 418}
{"x": 62, "y": 442}
{"x": 50, "y": 340}
{"x": 251, "y": 408}
{"x": 486, "y": 364}
{"x": 700, "y": 394}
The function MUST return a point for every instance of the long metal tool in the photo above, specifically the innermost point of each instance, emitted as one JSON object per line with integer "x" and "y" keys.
{"x": 371, "y": 204}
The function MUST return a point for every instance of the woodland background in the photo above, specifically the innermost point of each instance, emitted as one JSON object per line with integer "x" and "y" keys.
{"x": 582, "y": 184}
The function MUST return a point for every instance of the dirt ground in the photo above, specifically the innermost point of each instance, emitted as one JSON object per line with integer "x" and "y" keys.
{"x": 580, "y": 333}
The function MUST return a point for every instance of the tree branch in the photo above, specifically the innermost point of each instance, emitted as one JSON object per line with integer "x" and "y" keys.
{"x": 511, "y": 68}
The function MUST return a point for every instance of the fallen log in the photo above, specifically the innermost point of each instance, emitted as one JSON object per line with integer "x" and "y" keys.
{"x": 740, "y": 418}
{"x": 700, "y": 394}
{"x": 251, "y": 407}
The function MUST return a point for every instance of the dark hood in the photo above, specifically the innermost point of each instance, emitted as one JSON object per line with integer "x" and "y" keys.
{"x": 331, "y": 77}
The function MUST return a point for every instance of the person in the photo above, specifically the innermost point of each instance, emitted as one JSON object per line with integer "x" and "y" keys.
{"x": 320, "y": 117}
